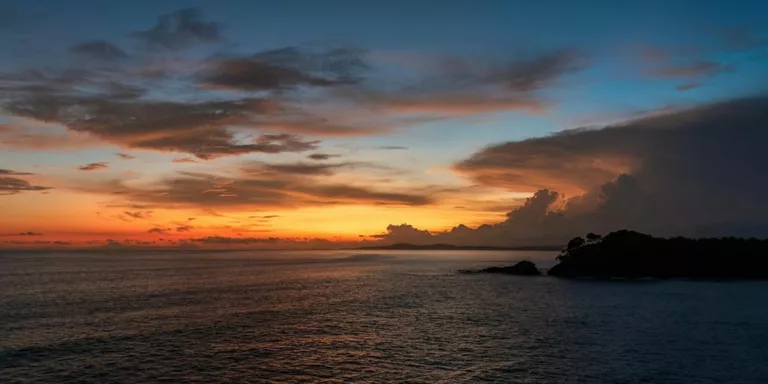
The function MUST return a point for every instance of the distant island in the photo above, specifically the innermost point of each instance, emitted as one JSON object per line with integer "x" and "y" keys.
{"x": 449, "y": 247}
{"x": 523, "y": 268}
{"x": 633, "y": 255}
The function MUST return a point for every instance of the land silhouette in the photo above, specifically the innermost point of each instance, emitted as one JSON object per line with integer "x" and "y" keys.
{"x": 631, "y": 254}
{"x": 450, "y": 247}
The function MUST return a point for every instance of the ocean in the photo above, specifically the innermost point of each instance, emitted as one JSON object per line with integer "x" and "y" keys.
{"x": 364, "y": 317}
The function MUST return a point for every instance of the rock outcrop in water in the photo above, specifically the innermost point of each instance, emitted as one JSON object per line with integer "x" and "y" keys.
{"x": 630, "y": 254}
{"x": 524, "y": 268}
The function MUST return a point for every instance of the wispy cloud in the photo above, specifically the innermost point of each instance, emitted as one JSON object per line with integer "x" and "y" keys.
{"x": 180, "y": 29}
{"x": 99, "y": 50}
{"x": 94, "y": 166}
{"x": 14, "y": 185}
{"x": 125, "y": 156}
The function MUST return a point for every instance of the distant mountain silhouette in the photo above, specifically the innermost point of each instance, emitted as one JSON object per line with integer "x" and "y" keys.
{"x": 630, "y": 254}
{"x": 448, "y": 247}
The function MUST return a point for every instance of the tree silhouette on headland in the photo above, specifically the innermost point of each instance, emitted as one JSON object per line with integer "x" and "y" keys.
{"x": 631, "y": 254}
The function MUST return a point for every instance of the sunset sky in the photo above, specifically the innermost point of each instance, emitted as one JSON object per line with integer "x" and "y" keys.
{"x": 294, "y": 123}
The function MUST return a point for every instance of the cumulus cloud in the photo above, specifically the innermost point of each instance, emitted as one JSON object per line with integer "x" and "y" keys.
{"x": 99, "y": 50}
{"x": 180, "y": 29}
{"x": 94, "y": 166}
{"x": 692, "y": 172}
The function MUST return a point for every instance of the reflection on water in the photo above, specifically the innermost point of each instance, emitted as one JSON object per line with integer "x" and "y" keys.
{"x": 383, "y": 316}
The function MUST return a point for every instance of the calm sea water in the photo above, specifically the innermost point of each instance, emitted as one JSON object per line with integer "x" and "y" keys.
{"x": 400, "y": 316}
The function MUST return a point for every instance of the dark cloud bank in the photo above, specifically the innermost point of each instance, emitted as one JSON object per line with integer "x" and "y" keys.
{"x": 698, "y": 172}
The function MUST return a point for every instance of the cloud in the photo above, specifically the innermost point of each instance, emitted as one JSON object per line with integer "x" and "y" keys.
{"x": 125, "y": 156}
{"x": 303, "y": 168}
{"x": 289, "y": 67}
{"x": 687, "y": 86}
{"x": 185, "y": 159}
{"x": 698, "y": 69}
{"x": 14, "y": 185}
{"x": 43, "y": 138}
{"x": 392, "y": 147}
{"x": 258, "y": 186}
{"x": 138, "y": 214}
{"x": 221, "y": 240}
{"x": 321, "y": 156}
{"x": 196, "y": 128}
{"x": 694, "y": 172}
{"x": 456, "y": 86}
{"x": 159, "y": 231}
{"x": 184, "y": 228}
{"x": 9, "y": 172}
{"x": 94, "y": 166}
{"x": 30, "y": 233}
{"x": 741, "y": 39}
{"x": 180, "y": 29}
{"x": 99, "y": 50}
{"x": 536, "y": 73}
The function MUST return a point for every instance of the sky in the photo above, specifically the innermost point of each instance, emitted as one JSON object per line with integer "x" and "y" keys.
{"x": 304, "y": 124}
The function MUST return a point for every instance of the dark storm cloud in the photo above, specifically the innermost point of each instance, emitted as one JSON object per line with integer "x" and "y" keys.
{"x": 692, "y": 172}
{"x": 94, "y": 166}
{"x": 99, "y": 50}
{"x": 180, "y": 29}
{"x": 289, "y": 67}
